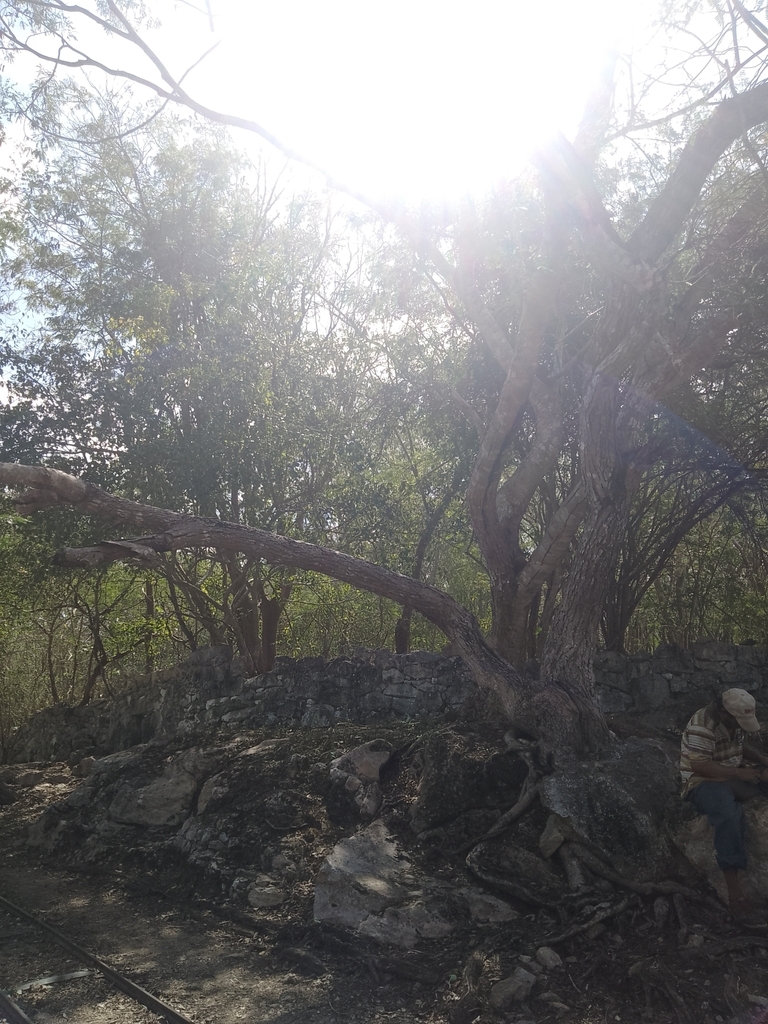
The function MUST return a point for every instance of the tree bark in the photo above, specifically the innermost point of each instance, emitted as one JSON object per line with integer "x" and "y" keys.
{"x": 573, "y": 635}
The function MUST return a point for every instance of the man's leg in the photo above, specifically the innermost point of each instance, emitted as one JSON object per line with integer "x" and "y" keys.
{"x": 718, "y": 801}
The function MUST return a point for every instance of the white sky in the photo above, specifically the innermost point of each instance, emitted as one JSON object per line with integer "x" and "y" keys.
{"x": 417, "y": 98}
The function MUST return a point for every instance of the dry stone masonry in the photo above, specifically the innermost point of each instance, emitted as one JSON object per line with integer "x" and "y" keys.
{"x": 211, "y": 690}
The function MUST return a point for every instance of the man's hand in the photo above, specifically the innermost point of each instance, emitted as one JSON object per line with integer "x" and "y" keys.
{"x": 752, "y": 754}
{"x": 748, "y": 774}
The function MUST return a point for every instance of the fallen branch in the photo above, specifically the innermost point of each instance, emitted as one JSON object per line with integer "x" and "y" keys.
{"x": 600, "y": 916}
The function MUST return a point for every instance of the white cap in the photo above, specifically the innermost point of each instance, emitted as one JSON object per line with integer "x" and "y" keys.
{"x": 741, "y": 705}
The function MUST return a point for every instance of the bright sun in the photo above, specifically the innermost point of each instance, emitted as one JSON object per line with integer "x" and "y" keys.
{"x": 417, "y": 98}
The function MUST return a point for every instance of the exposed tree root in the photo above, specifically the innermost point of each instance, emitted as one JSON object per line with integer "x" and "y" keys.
{"x": 602, "y": 914}
{"x": 506, "y": 885}
{"x": 679, "y": 905}
{"x": 730, "y": 945}
{"x": 528, "y": 795}
{"x": 664, "y": 888}
{"x": 652, "y": 973}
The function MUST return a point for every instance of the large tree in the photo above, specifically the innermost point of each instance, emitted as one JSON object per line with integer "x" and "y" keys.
{"x": 620, "y": 289}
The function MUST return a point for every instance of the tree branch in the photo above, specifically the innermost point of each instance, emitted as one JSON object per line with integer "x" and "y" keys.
{"x": 47, "y": 488}
{"x": 668, "y": 211}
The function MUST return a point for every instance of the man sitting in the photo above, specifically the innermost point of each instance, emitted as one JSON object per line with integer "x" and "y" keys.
{"x": 718, "y": 777}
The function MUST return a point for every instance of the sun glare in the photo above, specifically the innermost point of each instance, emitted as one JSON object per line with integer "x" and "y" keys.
{"x": 413, "y": 98}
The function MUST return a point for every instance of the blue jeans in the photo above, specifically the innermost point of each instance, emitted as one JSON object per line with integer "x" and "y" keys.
{"x": 721, "y": 802}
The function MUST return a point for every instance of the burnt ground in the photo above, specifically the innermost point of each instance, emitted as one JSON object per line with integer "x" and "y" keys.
{"x": 188, "y": 938}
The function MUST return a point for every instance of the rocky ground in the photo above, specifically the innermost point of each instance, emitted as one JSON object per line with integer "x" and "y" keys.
{"x": 323, "y": 875}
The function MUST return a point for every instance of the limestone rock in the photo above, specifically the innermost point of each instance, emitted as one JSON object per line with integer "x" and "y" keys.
{"x": 355, "y": 777}
{"x": 485, "y": 909}
{"x": 214, "y": 789}
{"x": 265, "y": 747}
{"x": 58, "y": 779}
{"x": 518, "y": 865}
{"x": 367, "y": 886}
{"x": 514, "y": 989}
{"x": 265, "y": 892}
{"x": 548, "y": 958}
{"x": 457, "y": 777}
{"x": 84, "y": 767}
{"x": 555, "y": 833}
{"x": 166, "y": 800}
{"x": 7, "y": 796}
{"x": 30, "y": 779}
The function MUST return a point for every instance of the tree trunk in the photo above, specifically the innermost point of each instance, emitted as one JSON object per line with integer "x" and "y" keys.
{"x": 403, "y": 631}
{"x": 271, "y": 609}
{"x": 509, "y": 634}
{"x": 51, "y": 667}
{"x": 573, "y": 636}
{"x": 403, "y": 625}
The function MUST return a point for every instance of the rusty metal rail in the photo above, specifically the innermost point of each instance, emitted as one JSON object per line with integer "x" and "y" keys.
{"x": 10, "y": 1013}
{"x": 120, "y": 982}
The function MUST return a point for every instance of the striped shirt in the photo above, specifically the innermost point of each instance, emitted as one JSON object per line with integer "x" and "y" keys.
{"x": 706, "y": 739}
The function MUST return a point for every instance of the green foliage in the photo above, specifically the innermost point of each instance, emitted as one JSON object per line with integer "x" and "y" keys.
{"x": 197, "y": 338}
{"x": 714, "y": 587}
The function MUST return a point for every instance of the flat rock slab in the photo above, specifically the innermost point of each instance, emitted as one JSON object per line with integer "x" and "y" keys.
{"x": 368, "y": 887}
{"x": 166, "y": 800}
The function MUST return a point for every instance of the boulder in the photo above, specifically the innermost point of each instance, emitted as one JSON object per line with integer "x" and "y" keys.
{"x": 504, "y": 858}
{"x": 367, "y": 886}
{"x": 459, "y": 776}
{"x": 450, "y": 782}
{"x": 619, "y": 806}
{"x": 514, "y": 989}
{"x": 166, "y": 800}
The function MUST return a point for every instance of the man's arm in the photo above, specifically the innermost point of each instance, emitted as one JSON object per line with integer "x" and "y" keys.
{"x": 725, "y": 773}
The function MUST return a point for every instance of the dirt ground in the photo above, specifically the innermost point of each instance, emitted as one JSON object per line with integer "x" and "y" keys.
{"x": 215, "y": 961}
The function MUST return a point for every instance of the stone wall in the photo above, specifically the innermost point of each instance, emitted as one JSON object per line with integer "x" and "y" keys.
{"x": 678, "y": 681}
{"x": 211, "y": 690}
